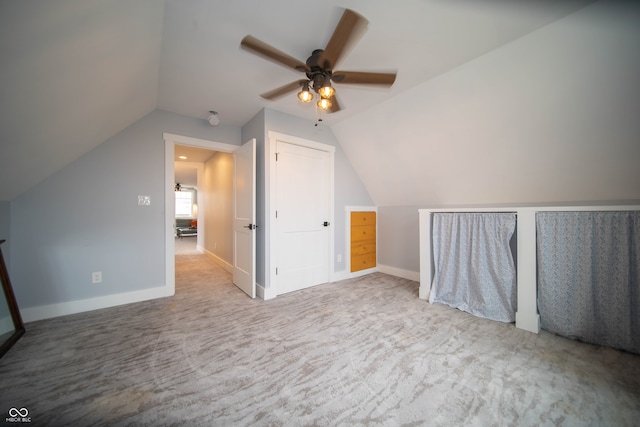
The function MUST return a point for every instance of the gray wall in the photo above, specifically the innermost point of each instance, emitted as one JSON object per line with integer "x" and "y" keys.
{"x": 398, "y": 237}
{"x": 85, "y": 217}
{"x": 349, "y": 189}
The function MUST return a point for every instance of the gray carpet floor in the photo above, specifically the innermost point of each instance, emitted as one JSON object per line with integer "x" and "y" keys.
{"x": 363, "y": 351}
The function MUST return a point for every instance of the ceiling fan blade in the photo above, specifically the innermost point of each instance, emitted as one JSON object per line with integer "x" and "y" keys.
{"x": 261, "y": 48}
{"x": 335, "y": 105}
{"x": 360, "y": 77}
{"x": 283, "y": 90}
{"x": 348, "y": 31}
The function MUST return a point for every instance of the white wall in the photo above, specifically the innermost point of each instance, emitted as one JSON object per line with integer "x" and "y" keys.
{"x": 218, "y": 177}
{"x": 85, "y": 218}
{"x": 549, "y": 118}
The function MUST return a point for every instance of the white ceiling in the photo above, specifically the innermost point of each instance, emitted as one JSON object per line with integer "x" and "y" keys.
{"x": 202, "y": 67}
{"x": 76, "y": 72}
{"x": 186, "y": 169}
{"x": 192, "y": 154}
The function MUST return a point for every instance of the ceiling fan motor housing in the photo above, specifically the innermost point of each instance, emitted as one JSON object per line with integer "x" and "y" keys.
{"x": 317, "y": 74}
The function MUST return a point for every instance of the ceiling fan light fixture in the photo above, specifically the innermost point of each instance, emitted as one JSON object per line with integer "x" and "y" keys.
{"x": 326, "y": 91}
{"x": 324, "y": 104}
{"x": 305, "y": 95}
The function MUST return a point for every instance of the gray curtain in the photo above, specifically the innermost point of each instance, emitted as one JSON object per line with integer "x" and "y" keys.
{"x": 589, "y": 276}
{"x": 474, "y": 267}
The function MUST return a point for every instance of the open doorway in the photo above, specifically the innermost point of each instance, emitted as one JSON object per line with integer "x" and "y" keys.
{"x": 190, "y": 190}
{"x": 223, "y": 193}
{"x": 203, "y": 193}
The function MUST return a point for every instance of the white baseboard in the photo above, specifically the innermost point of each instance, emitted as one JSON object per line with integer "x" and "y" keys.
{"x": 399, "y": 272}
{"x": 340, "y": 275}
{"x": 264, "y": 293}
{"x": 222, "y": 263}
{"x": 344, "y": 274}
{"x": 424, "y": 292}
{"x": 32, "y": 314}
{"x": 393, "y": 271}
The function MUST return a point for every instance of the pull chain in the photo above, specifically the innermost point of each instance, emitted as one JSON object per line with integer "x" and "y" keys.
{"x": 318, "y": 116}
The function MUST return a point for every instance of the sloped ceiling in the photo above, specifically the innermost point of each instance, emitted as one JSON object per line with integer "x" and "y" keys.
{"x": 73, "y": 74}
{"x": 550, "y": 118}
{"x": 76, "y": 72}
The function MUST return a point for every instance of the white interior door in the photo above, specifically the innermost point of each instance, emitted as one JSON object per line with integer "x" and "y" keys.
{"x": 244, "y": 218}
{"x": 302, "y": 204}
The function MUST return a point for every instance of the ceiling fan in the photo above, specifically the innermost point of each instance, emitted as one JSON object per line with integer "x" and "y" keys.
{"x": 319, "y": 67}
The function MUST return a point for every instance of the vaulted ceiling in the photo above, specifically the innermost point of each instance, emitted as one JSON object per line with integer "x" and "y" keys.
{"x": 76, "y": 72}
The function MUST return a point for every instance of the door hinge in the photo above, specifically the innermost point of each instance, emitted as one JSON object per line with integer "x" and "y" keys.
{"x": 276, "y": 214}
{"x": 276, "y": 157}
{"x": 276, "y": 271}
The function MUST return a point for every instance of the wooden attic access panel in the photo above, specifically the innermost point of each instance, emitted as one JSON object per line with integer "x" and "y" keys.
{"x": 363, "y": 240}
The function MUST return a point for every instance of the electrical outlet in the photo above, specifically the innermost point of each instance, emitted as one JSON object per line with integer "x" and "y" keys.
{"x": 144, "y": 200}
{"x": 96, "y": 277}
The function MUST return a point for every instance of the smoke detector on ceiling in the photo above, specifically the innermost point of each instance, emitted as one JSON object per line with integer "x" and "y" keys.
{"x": 213, "y": 119}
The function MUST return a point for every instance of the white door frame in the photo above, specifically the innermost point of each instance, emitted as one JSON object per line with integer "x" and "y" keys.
{"x": 170, "y": 141}
{"x": 270, "y": 235}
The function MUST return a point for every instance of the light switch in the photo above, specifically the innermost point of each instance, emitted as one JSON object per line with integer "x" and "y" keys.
{"x": 144, "y": 200}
